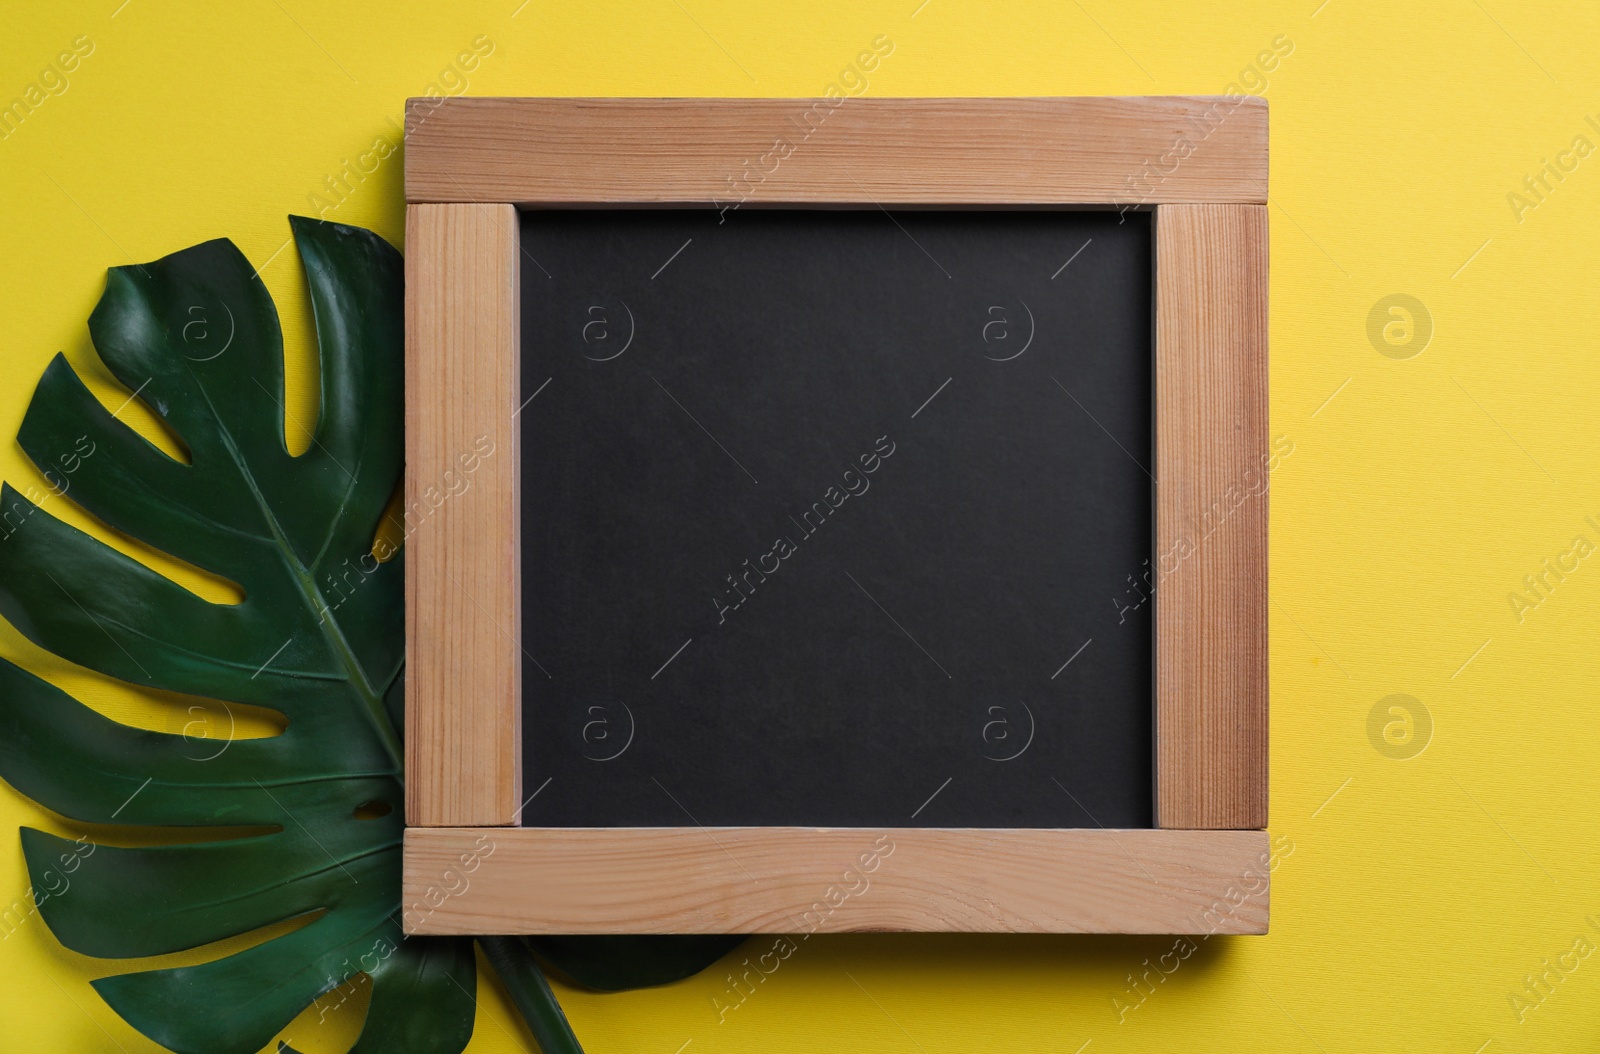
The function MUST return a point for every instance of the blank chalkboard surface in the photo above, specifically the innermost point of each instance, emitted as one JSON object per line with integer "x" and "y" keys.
{"x": 836, "y": 518}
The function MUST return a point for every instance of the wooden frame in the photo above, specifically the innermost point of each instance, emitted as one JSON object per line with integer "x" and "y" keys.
{"x": 1199, "y": 162}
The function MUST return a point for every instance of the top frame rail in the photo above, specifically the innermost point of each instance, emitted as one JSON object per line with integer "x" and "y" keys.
{"x": 569, "y": 152}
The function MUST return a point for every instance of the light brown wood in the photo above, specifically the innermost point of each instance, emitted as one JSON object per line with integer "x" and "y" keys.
{"x": 1212, "y": 464}
{"x": 463, "y": 612}
{"x": 1201, "y": 161}
{"x": 833, "y": 880}
{"x": 1121, "y": 152}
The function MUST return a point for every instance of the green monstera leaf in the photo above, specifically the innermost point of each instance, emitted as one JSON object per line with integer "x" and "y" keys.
{"x": 318, "y": 638}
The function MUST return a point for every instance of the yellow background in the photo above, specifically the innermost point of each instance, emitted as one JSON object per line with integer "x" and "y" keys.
{"x": 1420, "y": 891}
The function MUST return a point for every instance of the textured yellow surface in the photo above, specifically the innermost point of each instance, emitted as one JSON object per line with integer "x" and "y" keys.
{"x": 1423, "y": 887}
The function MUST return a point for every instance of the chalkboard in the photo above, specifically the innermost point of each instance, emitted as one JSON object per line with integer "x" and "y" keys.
{"x": 836, "y": 518}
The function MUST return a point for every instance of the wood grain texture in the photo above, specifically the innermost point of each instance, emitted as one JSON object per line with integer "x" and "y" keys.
{"x": 833, "y": 880}
{"x": 1212, "y": 466}
{"x": 463, "y": 616}
{"x": 855, "y": 151}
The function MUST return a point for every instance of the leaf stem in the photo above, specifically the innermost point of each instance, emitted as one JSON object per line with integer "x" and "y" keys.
{"x": 531, "y": 993}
